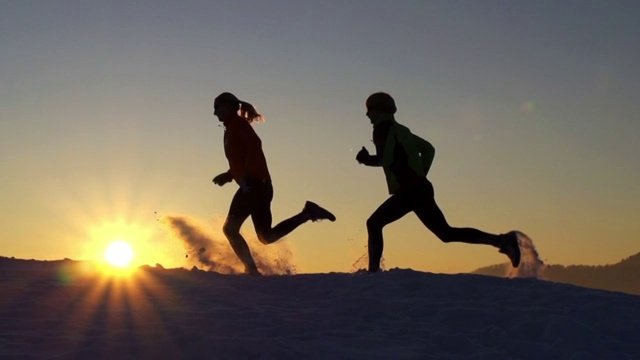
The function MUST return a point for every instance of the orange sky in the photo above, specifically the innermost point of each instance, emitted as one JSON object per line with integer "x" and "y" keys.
{"x": 107, "y": 126}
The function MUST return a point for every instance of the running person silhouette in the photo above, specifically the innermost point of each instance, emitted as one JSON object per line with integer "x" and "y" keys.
{"x": 406, "y": 159}
{"x": 248, "y": 168}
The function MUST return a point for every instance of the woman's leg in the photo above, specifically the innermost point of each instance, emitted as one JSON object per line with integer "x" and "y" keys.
{"x": 262, "y": 218}
{"x": 238, "y": 212}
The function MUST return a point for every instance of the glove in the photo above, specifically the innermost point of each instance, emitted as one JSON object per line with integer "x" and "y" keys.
{"x": 222, "y": 178}
{"x": 362, "y": 155}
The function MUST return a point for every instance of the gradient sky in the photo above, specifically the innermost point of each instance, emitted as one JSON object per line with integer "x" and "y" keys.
{"x": 533, "y": 106}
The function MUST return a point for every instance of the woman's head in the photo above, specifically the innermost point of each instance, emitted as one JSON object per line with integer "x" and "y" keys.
{"x": 227, "y": 105}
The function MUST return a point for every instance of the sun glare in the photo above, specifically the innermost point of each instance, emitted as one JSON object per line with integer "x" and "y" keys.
{"x": 119, "y": 253}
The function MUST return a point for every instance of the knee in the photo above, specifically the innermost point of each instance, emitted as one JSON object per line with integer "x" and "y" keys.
{"x": 230, "y": 228}
{"x": 373, "y": 224}
{"x": 445, "y": 235}
{"x": 264, "y": 237}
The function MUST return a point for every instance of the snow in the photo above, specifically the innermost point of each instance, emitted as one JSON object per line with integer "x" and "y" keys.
{"x": 69, "y": 309}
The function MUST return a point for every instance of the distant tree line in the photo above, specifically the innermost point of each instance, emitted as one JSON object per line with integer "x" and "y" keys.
{"x": 623, "y": 276}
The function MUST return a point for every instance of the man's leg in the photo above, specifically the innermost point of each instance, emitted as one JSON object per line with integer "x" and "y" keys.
{"x": 391, "y": 210}
{"x": 432, "y": 217}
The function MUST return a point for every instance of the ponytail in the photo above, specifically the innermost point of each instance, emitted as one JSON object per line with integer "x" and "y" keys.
{"x": 249, "y": 113}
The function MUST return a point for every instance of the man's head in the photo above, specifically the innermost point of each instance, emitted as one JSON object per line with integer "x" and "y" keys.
{"x": 380, "y": 104}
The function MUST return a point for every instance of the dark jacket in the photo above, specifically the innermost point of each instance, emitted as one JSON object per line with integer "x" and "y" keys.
{"x": 404, "y": 157}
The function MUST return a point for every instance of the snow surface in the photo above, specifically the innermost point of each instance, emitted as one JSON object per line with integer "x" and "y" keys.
{"x": 67, "y": 309}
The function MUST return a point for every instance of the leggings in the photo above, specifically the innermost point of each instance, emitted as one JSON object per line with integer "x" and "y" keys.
{"x": 421, "y": 200}
{"x": 256, "y": 202}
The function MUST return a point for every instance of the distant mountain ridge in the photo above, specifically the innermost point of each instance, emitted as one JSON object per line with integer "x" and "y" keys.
{"x": 623, "y": 276}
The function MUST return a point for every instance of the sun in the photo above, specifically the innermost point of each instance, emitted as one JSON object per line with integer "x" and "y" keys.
{"x": 119, "y": 253}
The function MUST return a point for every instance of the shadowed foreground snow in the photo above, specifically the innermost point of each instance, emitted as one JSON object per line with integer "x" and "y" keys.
{"x": 65, "y": 309}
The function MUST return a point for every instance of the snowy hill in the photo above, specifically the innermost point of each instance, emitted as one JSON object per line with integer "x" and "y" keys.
{"x": 68, "y": 309}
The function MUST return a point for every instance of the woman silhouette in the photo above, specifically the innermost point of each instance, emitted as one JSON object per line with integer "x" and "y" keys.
{"x": 248, "y": 168}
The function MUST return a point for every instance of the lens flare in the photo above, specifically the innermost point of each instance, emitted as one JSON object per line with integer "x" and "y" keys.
{"x": 119, "y": 253}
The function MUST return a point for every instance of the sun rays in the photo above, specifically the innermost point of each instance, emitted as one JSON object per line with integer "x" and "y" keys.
{"x": 112, "y": 306}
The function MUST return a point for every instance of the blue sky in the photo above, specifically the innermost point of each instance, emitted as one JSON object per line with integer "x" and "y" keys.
{"x": 105, "y": 112}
